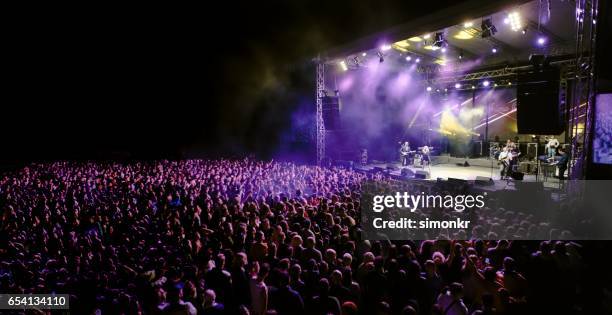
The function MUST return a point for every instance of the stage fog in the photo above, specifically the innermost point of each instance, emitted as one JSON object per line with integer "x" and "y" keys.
{"x": 384, "y": 103}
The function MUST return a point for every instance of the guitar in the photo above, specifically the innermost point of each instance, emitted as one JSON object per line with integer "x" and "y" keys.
{"x": 508, "y": 158}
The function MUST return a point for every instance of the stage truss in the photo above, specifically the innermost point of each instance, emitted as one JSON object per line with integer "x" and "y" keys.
{"x": 320, "y": 132}
{"x": 576, "y": 78}
{"x": 580, "y": 105}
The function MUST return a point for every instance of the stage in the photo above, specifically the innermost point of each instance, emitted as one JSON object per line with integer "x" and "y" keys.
{"x": 445, "y": 167}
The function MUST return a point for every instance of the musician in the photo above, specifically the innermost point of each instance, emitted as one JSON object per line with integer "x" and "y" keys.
{"x": 504, "y": 156}
{"x": 562, "y": 163}
{"x": 551, "y": 147}
{"x": 425, "y": 157}
{"x": 405, "y": 153}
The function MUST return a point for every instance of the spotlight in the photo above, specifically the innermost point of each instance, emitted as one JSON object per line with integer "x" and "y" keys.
{"x": 429, "y": 89}
{"x": 488, "y": 29}
{"x": 460, "y": 55}
{"x": 457, "y": 85}
{"x": 515, "y": 21}
{"x": 445, "y": 90}
{"x": 541, "y": 40}
{"x": 364, "y": 54}
{"x": 473, "y": 87}
{"x": 426, "y": 36}
{"x": 443, "y": 49}
{"x": 408, "y": 58}
{"x": 439, "y": 40}
{"x": 385, "y": 47}
{"x": 524, "y": 31}
{"x": 418, "y": 60}
{"x": 438, "y": 90}
{"x": 495, "y": 84}
{"x": 486, "y": 83}
{"x": 343, "y": 65}
{"x": 381, "y": 57}
{"x": 468, "y": 24}
{"x": 494, "y": 50}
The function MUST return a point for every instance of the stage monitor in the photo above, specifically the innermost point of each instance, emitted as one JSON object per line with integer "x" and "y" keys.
{"x": 602, "y": 138}
{"x": 537, "y": 102}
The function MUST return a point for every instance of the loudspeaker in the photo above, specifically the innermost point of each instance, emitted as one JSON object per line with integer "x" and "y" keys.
{"x": 406, "y": 172}
{"x": 517, "y": 175}
{"x": 603, "y": 64}
{"x": 331, "y": 112}
{"x": 392, "y": 167}
{"x": 457, "y": 181}
{"x": 483, "y": 181}
{"x": 537, "y": 101}
{"x": 421, "y": 174}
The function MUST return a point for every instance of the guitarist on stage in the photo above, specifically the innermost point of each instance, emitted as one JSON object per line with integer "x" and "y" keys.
{"x": 405, "y": 153}
{"x": 507, "y": 158}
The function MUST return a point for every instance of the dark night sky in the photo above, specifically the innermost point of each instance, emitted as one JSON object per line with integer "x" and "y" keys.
{"x": 156, "y": 82}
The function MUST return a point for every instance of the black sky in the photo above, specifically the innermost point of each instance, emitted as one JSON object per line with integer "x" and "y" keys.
{"x": 155, "y": 82}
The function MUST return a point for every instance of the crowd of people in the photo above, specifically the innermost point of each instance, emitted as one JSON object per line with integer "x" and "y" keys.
{"x": 250, "y": 237}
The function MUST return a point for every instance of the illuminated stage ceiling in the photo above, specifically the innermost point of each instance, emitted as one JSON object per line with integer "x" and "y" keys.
{"x": 461, "y": 28}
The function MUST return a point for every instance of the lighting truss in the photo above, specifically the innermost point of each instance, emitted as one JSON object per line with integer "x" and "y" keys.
{"x": 319, "y": 120}
{"x": 479, "y": 75}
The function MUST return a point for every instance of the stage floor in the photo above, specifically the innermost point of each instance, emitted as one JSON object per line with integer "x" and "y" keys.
{"x": 447, "y": 170}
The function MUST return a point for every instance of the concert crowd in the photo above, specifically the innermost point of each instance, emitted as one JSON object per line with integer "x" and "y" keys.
{"x": 250, "y": 237}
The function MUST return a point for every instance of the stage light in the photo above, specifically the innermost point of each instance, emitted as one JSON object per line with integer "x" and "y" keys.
{"x": 364, "y": 54}
{"x": 415, "y": 39}
{"x": 541, "y": 40}
{"x": 494, "y": 50}
{"x": 460, "y": 55}
{"x": 457, "y": 85}
{"x": 486, "y": 83}
{"x": 473, "y": 87}
{"x": 487, "y": 27}
{"x": 429, "y": 89}
{"x": 438, "y": 90}
{"x": 418, "y": 60}
{"x": 385, "y": 47}
{"x": 426, "y": 36}
{"x": 439, "y": 40}
{"x": 524, "y": 31}
{"x": 343, "y": 65}
{"x": 509, "y": 83}
{"x": 408, "y": 58}
{"x": 468, "y": 24}
{"x": 402, "y": 44}
{"x": 495, "y": 84}
{"x": 445, "y": 90}
{"x": 443, "y": 49}
{"x": 515, "y": 21}
{"x": 463, "y": 35}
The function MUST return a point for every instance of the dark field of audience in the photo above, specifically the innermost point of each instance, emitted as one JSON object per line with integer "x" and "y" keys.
{"x": 249, "y": 237}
